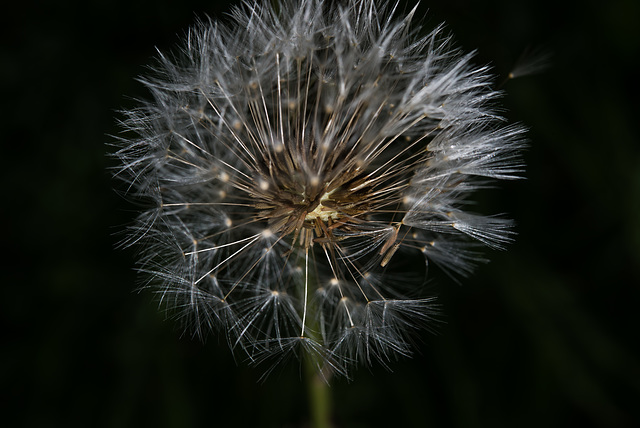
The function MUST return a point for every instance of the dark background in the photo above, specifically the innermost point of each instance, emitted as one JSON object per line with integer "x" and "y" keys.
{"x": 544, "y": 335}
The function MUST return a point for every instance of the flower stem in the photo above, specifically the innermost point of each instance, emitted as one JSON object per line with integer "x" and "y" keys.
{"x": 318, "y": 393}
{"x": 317, "y": 378}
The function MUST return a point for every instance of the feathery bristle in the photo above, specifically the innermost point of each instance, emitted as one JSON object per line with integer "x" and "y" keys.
{"x": 295, "y": 159}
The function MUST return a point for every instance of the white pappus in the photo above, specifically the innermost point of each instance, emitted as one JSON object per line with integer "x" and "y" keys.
{"x": 301, "y": 162}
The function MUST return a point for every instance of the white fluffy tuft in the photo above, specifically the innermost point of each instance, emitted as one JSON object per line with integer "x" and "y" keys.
{"x": 297, "y": 161}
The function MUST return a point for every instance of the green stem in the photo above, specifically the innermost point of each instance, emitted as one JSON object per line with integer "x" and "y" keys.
{"x": 318, "y": 393}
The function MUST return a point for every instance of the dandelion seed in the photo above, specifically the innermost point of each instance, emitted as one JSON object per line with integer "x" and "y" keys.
{"x": 296, "y": 160}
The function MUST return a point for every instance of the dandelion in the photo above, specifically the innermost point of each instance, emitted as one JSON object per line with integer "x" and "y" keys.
{"x": 299, "y": 163}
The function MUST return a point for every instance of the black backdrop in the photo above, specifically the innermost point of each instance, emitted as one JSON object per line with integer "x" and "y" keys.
{"x": 544, "y": 335}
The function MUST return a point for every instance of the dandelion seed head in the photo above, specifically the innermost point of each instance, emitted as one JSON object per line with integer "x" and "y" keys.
{"x": 298, "y": 159}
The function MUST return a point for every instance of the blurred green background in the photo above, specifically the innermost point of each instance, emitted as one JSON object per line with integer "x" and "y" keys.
{"x": 544, "y": 335}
